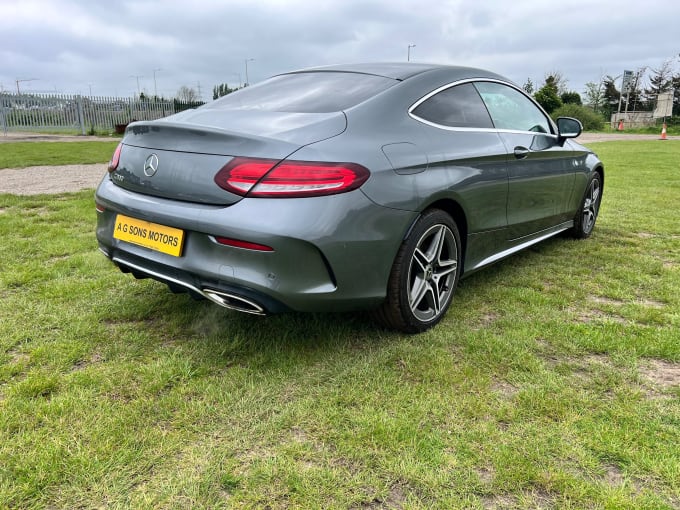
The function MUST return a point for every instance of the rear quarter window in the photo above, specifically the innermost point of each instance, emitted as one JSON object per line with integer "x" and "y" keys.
{"x": 457, "y": 106}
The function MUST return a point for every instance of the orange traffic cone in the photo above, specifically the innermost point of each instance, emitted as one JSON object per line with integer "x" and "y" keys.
{"x": 663, "y": 132}
{"x": 620, "y": 128}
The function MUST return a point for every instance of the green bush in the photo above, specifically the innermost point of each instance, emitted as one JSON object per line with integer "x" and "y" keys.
{"x": 548, "y": 99}
{"x": 591, "y": 121}
{"x": 571, "y": 98}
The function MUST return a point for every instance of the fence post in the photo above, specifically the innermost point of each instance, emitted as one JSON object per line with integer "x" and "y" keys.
{"x": 2, "y": 115}
{"x": 81, "y": 117}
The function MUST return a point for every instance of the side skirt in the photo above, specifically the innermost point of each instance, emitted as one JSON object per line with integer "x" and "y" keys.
{"x": 522, "y": 243}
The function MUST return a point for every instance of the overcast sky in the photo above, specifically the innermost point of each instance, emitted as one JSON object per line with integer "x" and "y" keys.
{"x": 106, "y": 47}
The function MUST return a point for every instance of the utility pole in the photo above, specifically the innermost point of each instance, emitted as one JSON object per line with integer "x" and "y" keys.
{"x": 139, "y": 92}
{"x": 20, "y": 81}
{"x": 155, "y": 89}
{"x": 247, "y": 80}
{"x": 408, "y": 54}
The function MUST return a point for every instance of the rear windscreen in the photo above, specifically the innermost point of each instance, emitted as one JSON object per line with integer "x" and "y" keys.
{"x": 312, "y": 92}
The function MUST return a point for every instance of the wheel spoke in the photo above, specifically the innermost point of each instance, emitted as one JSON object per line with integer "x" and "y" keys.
{"x": 418, "y": 292}
{"x": 595, "y": 204}
{"x": 434, "y": 298}
{"x": 587, "y": 219}
{"x": 447, "y": 262}
{"x": 421, "y": 259}
{"x": 448, "y": 267}
{"x": 441, "y": 239}
{"x": 435, "y": 247}
{"x": 595, "y": 194}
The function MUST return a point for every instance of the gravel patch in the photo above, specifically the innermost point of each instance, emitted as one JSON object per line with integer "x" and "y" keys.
{"x": 36, "y": 180}
{"x": 21, "y": 136}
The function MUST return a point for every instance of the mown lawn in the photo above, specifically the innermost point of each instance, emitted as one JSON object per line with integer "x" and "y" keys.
{"x": 553, "y": 382}
{"x": 24, "y": 154}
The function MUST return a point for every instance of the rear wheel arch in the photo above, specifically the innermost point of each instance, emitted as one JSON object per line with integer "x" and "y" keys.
{"x": 424, "y": 274}
{"x": 457, "y": 213}
{"x": 404, "y": 313}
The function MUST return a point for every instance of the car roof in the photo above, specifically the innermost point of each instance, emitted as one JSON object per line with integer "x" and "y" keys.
{"x": 400, "y": 70}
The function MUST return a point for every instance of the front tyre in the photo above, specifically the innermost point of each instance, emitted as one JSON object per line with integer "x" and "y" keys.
{"x": 585, "y": 218}
{"x": 424, "y": 275}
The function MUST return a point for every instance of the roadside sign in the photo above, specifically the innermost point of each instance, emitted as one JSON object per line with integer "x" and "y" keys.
{"x": 627, "y": 82}
{"x": 664, "y": 105}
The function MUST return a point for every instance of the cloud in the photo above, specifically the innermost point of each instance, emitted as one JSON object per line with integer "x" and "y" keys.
{"x": 71, "y": 45}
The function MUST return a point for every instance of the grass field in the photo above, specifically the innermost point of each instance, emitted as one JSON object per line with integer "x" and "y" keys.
{"x": 553, "y": 382}
{"x": 24, "y": 154}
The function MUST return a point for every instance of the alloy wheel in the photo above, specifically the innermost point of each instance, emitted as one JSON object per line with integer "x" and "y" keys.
{"x": 591, "y": 205}
{"x": 432, "y": 273}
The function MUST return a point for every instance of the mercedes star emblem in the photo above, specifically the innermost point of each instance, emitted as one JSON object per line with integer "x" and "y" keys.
{"x": 151, "y": 165}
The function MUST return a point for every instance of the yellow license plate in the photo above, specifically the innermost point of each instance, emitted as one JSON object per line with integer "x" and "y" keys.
{"x": 150, "y": 235}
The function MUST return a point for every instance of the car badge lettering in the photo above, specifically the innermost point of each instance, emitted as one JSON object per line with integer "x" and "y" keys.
{"x": 151, "y": 165}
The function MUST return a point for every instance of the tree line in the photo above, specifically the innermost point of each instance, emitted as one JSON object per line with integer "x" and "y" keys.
{"x": 190, "y": 95}
{"x": 601, "y": 99}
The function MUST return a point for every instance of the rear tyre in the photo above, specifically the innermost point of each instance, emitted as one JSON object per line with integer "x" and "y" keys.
{"x": 424, "y": 275}
{"x": 585, "y": 218}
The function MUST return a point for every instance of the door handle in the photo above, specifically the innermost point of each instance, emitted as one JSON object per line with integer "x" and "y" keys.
{"x": 521, "y": 152}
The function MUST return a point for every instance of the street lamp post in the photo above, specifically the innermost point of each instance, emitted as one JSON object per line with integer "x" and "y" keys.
{"x": 408, "y": 54}
{"x": 139, "y": 92}
{"x": 247, "y": 80}
{"x": 155, "y": 89}
{"x": 20, "y": 81}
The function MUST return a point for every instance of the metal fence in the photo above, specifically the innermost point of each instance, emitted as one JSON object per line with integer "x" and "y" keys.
{"x": 81, "y": 114}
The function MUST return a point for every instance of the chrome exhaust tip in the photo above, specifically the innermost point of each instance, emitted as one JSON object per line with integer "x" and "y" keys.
{"x": 233, "y": 302}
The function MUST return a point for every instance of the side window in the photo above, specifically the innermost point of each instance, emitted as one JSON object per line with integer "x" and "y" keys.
{"x": 458, "y": 106}
{"x": 510, "y": 109}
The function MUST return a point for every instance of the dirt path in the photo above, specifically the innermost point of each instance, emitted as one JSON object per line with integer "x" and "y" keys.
{"x": 611, "y": 137}
{"x": 36, "y": 180}
{"x": 20, "y": 136}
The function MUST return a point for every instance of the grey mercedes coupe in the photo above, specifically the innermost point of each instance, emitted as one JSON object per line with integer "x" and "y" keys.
{"x": 368, "y": 186}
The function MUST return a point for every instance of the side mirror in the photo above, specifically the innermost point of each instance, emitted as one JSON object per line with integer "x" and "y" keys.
{"x": 568, "y": 127}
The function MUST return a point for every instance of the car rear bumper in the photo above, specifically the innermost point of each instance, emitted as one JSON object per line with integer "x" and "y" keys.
{"x": 323, "y": 259}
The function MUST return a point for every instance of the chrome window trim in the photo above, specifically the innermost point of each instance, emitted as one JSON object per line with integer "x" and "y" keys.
{"x": 480, "y": 129}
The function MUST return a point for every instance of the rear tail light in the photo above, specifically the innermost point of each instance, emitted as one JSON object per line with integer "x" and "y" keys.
{"x": 241, "y": 174}
{"x": 115, "y": 159}
{"x": 99, "y": 207}
{"x": 269, "y": 178}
